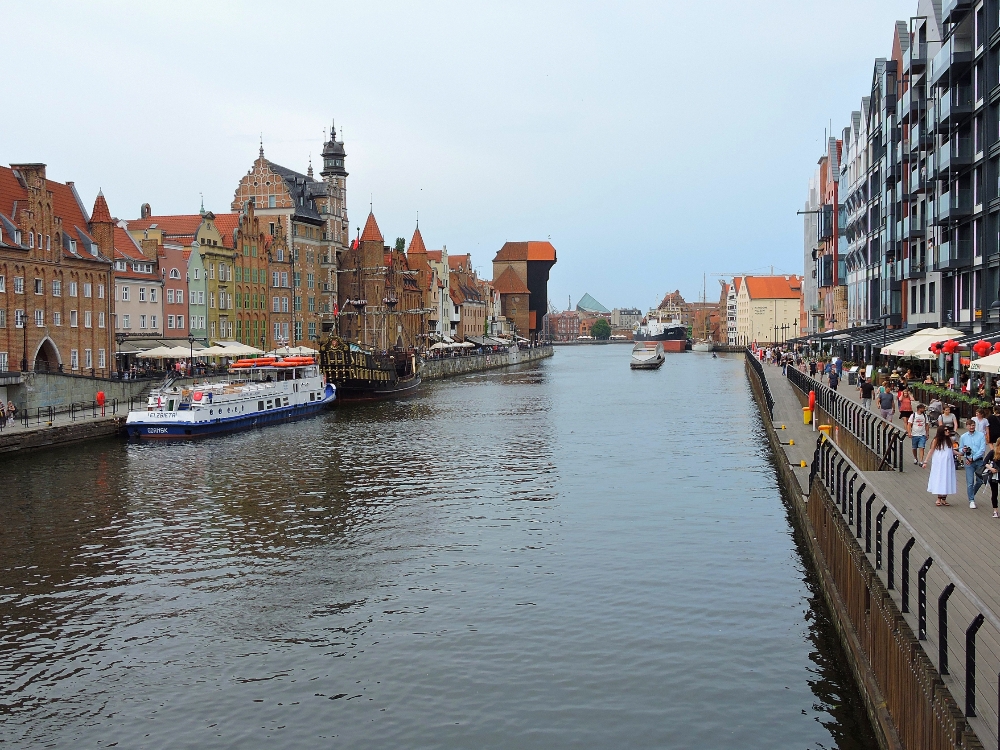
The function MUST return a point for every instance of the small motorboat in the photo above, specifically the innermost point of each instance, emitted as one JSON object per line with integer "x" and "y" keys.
{"x": 703, "y": 345}
{"x": 647, "y": 355}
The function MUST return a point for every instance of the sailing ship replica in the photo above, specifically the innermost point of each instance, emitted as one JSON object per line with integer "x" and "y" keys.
{"x": 379, "y": 318}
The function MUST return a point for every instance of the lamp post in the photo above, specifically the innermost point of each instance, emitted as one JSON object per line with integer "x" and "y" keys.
{"x": 191, "y": 356}
{"x": 24, "y": 326}
{"x": 120, "y": 339}
{"x": 263, "y": 343}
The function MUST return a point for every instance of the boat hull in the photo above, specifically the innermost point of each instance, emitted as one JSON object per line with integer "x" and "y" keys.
{"x": 372, "y": 391}
{"x": 170, "y": 430}
{"x": 655, "y": 364}
{"x": 703, "y": 346}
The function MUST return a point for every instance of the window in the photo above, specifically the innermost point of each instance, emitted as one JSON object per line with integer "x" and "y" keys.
{"x": 277, "y": 331}
{"x": 180, "y": 321}
{"x": 100, "y": 320}
{"x": 270, "y": 227}
{"x": 201, "y": 322}
{"x": 152, "y": 321}
{"x": 298, "y": 330}
{"x": 197, "y": 273}
{"x": 201, "y": 299}
{"x": 275, "y": 279}
{"x": 170, "y": 321}
{"x": 88, "y": 358}
{"x": 281, "y": 255}
{"x": 73, "y": 320}
{"x": 126, "y": 323}
{"x": 74, "y": 359}
{"x": 125, "y": 293}
{"x": 18, "y": 285}
{"x": 213, "y": 329}
{"x": 100, "y": 291}
{"x": 48, "y": 242}
{"x": 246, "y": 250}
{"x": 271, "y": 203}
{"x": 312, "y": 330}
{"x": 310, "y": 281}
{"x": 19, "y": 319}
{"x": 4, "y": 364}
{"x": 39, "y": 286}
{"x": 3, "y": 284}
{"x": 39, "y": 318}
{"x": 72, "y": 289}
{"x": 284, "y": 279}
{"x": 88, "y": 289}
{"x": 142, "y": 321}
{"x": 57, "y": 318}
{"x": 211, "y": 300}
{"x": 211, "y": 270}
{"x": 931, "y": 297}
{"x": 180, "y": 297}
{"x": 31, "y": 239}
{"x": 152, "y": 294}
{"x": 56, "y": 288}
{"x": 88, "y": 319}
{"x": 297, "y": 277}
{"x": 3, "y": 318}
{"x": 102, "y": 360}
{"x": 311, "y": 304}
{"x": 298, "y": 304}
{"x": 174, "y": 273}
{"x": 284, "y": 304}
{"x": 142, "y": 294}
{"x": 276, "y": 304}
{"x": 170, "y": 298}
{"x": 913, "y": 302}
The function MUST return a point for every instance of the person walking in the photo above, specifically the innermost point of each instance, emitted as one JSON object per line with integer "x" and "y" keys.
{"x": 991, "y": 470}
{"x": 941, "y": 480}
{"x": 972, "y": 450}
{"x": 886, "y": 403}
{"x": 834, "y": 378}
{"x": 993, "y": 425}
{"x": 982, "y": 424}
{"x": 934, "y": 409}
{"x": 949, "y": 421}
{"x": 905, "y": 404}
{"x": 812, "y": 368}
{"x": 867, "y": 391}
{"x": 916, "y": 428}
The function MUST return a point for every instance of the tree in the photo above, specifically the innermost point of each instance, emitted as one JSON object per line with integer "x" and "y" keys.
{"x": 601, "y": 329}
{"x": 400, "y": 245}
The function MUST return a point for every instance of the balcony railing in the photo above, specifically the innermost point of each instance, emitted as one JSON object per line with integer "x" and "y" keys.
{"x": 950, "y": 9}
{"x": 954, "y": 205}
{"x": 913, "y": 268}
{"x": 913, "y": 226}
{"x": 954, "y": 104}
{"x": 915, "y": 58}
{"x": 956, "y": 52}
{"x": 954, "y": 155}
{"x": 954, "y": 254}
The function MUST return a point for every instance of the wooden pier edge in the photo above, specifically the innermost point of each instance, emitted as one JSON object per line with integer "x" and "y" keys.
{"x": 939, "y": 707}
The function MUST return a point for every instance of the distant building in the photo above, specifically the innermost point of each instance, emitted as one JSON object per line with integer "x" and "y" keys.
{"x": 564, "y": 326}
{"x": 732, "y": 291}
{"x": 591, "y": 306}
{"x": 626, "y": 317}
{"x": 767, "y": 309}
{"x": 521, "y": 277}
{"x": 673, "y": 307}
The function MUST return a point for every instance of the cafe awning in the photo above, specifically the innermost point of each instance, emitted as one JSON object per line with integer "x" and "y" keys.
{"x": 917, "y": 346}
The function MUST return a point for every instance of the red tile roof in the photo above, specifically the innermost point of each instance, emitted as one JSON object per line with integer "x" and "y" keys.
{"x": 510, "y": 283}
{"x": 101, "y": 214}
{"x": 178, "y": 225}
{"x": 463, "y": 261}
{"x": 737, "y": 282}
{"x": 417, "y": 243}
{"x": 227, "y": 224}
{"x": 434, "y": 255}
{"x": 533, "y": 250}
{"x": 774, "y": 287}
{"x": 371, "y": 232}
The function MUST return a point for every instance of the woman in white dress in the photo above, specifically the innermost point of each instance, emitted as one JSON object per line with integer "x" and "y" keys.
{"x": 941, "y": 455}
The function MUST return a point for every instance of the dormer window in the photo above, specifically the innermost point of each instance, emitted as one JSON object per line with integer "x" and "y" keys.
{"x": 17, "y": 236}
{"x": 72, "y": 246}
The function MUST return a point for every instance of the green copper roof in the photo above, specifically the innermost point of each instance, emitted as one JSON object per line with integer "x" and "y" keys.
{"x": 589, "y": 304}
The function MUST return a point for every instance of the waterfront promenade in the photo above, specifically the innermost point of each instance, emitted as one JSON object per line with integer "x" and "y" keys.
{"x": 962, "y": 544}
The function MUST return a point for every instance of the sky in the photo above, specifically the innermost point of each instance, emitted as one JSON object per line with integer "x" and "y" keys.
{"x": 652, "y": 142}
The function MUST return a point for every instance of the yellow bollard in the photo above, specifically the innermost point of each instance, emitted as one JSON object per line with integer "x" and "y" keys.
{"x": 807, "y": 415}
{"x": 825, "y": 429}
{"x": 791, "y": 442}
{"x": 782, "y": 426}
{"x": 802, "y": 464}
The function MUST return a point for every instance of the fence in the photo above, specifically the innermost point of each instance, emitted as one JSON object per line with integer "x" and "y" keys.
{"x": 77, "y": 410}
{"x": 956, "y": 649}
{"x": 879, "y": 436}
{"x": 754, "y": 364}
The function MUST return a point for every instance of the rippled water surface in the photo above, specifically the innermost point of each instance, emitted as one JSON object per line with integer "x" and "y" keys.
{"x": 566, "y": 555}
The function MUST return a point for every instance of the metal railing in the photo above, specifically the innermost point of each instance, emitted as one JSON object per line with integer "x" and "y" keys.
{"x": 879, "y": 436}
{"x": 74, "y": 411}
{"x": 758, "y": 369}
{"x": 901, "y": 558}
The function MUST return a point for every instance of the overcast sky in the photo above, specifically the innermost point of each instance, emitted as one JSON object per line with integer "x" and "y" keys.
{"x": 652, "y": 142}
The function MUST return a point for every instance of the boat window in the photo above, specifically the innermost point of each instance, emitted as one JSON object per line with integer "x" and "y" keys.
{"x": 260, "y": 406}
{"x": 170, "y": 405}
{"x": 269, "y": 403}
{"x": 286, "y": 400}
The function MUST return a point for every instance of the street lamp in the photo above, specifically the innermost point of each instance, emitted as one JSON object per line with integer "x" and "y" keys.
{"x": 191, "y": 357}
{"x": 24, "y": 325}
{"x": 120, "y": 339}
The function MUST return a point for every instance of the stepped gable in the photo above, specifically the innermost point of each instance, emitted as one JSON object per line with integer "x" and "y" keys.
{"x": 510, "y": 283}
{"x": 371, "y": 232}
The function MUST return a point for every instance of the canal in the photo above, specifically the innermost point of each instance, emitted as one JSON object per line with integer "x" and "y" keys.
{"x": 570, "y": 554}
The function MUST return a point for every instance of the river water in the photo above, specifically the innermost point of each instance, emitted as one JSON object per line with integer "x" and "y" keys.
{"x": 568, "y": 554}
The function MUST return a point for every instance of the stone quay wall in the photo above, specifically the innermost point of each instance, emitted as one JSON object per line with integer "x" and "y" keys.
{"x": 436, "y": 369}
{"x": 41, "y": 390}
{"x": 59, "y": 435}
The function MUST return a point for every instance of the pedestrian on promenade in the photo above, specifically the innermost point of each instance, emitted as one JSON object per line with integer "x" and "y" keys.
{"x": 916, "y": 428}
{"x": 834, "y": 378}
{"x": 812, "y": 368}
{"x": 11, "y": 413}
{"x": 982, "y": 425}
{"x": 905, "y": 404}
{"x": 991, "y": 470}
{"x": 949, "y": 421}
{"x": 941, "y": 480}
{"x": 972, "y": 449}
{"x": 993, "y": 425}
{"x": 867, "y": 391}
{"x": 886, "y": 403}
{"x": 934, "y": 409}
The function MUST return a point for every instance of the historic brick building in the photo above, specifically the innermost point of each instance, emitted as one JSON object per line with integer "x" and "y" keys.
{"x": 55, "y": 276}
{"x": 313, "y": 215}
{"x": 251, "y": 271}
{"x": 521, "y": 276}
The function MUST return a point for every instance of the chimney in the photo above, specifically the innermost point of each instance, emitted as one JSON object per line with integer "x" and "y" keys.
{"x": 149, "y": 248}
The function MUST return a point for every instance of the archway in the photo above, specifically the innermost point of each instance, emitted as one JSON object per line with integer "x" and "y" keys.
{"x": 47, "y": 357}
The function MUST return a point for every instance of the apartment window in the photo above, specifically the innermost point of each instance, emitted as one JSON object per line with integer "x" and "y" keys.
{"x": 284, "y": 304}
{"x": 100, "y": 291}
{"x": 275, "y": 304}
{"x": 180, "y": 297}
{"x": 170, "y": 321}
{"x": 213, "y": 329}
{"x": 180, "y": 321}
{"x": 102, "y": 360}
{"x": 174, "y": 273}
{"x": 312, "y": 330}
{"x": 88, "y": 358}
{"x": 277, "y": 331}
{"x": 125, "y": 293}
{"x": 100, "y": 320}
{"x": 57, "y": 318}
{"x": 39, "y": 286}
{"x": 275, "y": 279}
{"x": 4, "y": 363}
{"x": 72, "y": 289}
{"x": 297, "y": 279}
{"x": 923, "y": 298}
{"x": 271, "y": 203}
{"x": 152, "y": 321}
{"x": 39, "y": 318}
{"x": 31, "y": 239}
{"x": 284, "y": 331}
{"x": 3, "y": 284}
{"x": 74, "y": 359}
{"x": 142, "y": 294}
{"x": 281, "y": 255}
{"x": 311, "y": 304}
{"x": 298, "y": 330}
{"x": 170, "y": 298}
{"x": 201, "y": 322}
{"x": 88, "y": 289}
{"x": 197, "y": 273}
{"x": 270, "y": 227}
{"x": 48, "y": 242}
{"x": 19, "y": 319}
{"x": 56, "y": 288}
{"x": 18, "y": 285}
{"x": 310, "y": 281}
{"x": 152, "y": 294}
{"x": 931, "y": 298}
{"x": 298, "y": 304}
{"x": 284, "y": 279}
{"x": 142, "y": 321}
{"x": 211, "y": 300}
{"x": 126, "y": 323}
{"x": 88, "y": 319}
{"x": 913, "y": 302}
{"x": 3, "y": 318}
{"x": 73, "y": 319}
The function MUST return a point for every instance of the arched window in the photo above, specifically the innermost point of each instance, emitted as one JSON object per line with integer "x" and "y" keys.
{"x": 174, "y": 273}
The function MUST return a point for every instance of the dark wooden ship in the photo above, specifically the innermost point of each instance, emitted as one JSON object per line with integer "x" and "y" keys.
{"x": 364, "y": 375}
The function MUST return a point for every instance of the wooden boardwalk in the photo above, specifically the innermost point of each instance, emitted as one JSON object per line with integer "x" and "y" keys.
{"x": 966, "y": 541}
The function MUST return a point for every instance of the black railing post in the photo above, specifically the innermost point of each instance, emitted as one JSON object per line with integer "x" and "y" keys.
{"x": 868, "y": 523}
{"x": 861, "y": 523}
{"x": 922, "y": 599}
{"x": 905, "y": 574}
{"x": 943, "y": 628}
{"x": 970, "y": 664}
{"x": 878, "y": 537}
{"x": 891, "y": 543}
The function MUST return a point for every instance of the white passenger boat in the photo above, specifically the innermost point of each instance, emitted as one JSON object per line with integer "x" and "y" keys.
{"x": 647, "y": 355}
{"x": 703, "y": 346}
{"x": 258, "y": 392}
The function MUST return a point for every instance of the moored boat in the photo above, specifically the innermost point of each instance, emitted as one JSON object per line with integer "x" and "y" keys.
{"x": 258, "y": 392}
{"x": 364, "y": 375}
{"x": 703, "y": 346}
{"x": 647, "y": 355}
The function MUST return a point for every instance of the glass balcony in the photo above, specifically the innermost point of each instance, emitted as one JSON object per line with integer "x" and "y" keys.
{"x": 913, "y": 268}
{"x": 956, "y": 52}
{"x": 954, "y": 254}
{"x": 951, "y": 10}
{"x": 956, "y": 103}
{"x": 954, "y": 205}
{"x": 954, "y": 155}
{"x": 913, "y": 227}
{"x": 915, "y": 58}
